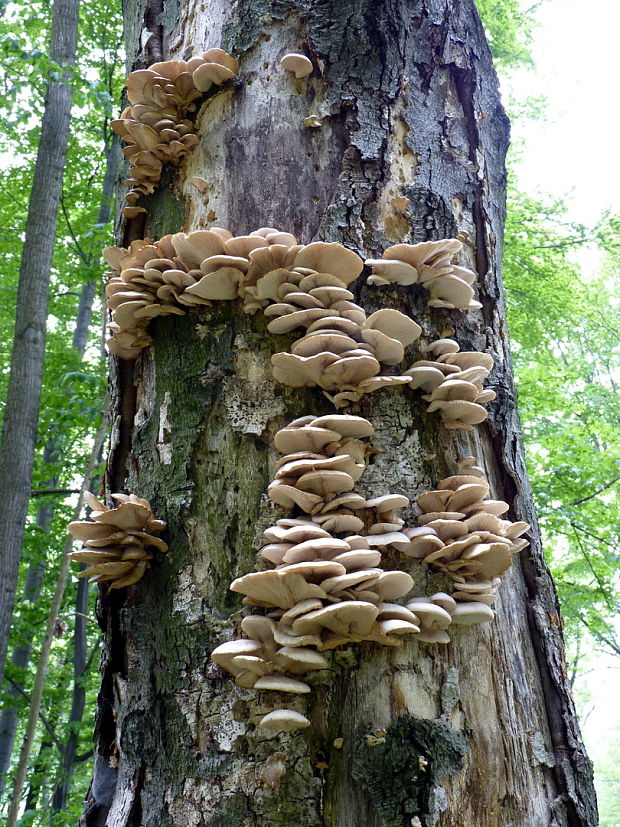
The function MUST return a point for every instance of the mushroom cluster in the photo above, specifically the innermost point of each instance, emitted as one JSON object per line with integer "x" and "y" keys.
{"x": 429, "y": 264}
{"x": 325, "y": 590}
{"x": 343, "y": 351}
{"x": 117, "y": 540}
{"x": 155, "y": 126}
{"x": 452, "y": 380}
{"x": 463, "y": 535}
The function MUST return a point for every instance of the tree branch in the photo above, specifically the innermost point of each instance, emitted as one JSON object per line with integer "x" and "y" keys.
{"x": 39, "y": 492}
{"x": 596, "y": 493}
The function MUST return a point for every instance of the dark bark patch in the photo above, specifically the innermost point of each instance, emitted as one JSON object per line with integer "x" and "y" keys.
{"x": 400, "y": 772}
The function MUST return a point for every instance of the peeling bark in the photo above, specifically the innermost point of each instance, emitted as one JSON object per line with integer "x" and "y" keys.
{"x": 482, "y": 731}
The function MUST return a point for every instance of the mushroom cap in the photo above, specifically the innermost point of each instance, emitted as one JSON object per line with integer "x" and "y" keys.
{"x": 466, "y": 614}
{"x": 442, "y": 346}
{"x": 388, "y": 502}
{"x": 301, "y": 371}
{"x": 429, "y": 614}
{"x": 388, "y": 350}
{"x": 279, "y": 587}
{"x": 469, "y": 413}
{"x": 325, "y": 482}
{"x": 394, "y": 324}
{"x": 298, "y": 660}
{"x": 305, "y": 438}
{"x": 288, "y": 496}
{"x": 299, "y": 64}
{"x": 345, "y": 424}
{"x": 224, "y": 654}
{"x": 392, "y": 271}
{"x": 282, "y": 683}
{"x": 451, "y": 290}
{"x": 351, "y": 618}
{"x": 209, "y": 73}
{"x": 284, "y": 720}
{"x": 349, "y": 371}
{"x": 391, "y": 585}
{"x": 330, "y": 258}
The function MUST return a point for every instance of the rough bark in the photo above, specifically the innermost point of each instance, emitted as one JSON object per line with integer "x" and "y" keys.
{"x": 24, "y": 390}
{"x": 409, "y": 107}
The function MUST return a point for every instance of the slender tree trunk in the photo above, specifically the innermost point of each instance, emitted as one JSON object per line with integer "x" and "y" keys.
{"x": 408, "y": 105}
{"x": 21, "y": 654}
{"x": 24, "y": 391}
{"x": 46, "y": 646}
{"x": 78, "y": 701}
{"x": 36, "y": 571}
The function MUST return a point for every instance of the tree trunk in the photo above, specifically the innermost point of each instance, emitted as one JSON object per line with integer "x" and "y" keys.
{"x": 36, "y": 571}
{"x": 21, "y": 415}
{"x": 408, "y": 105}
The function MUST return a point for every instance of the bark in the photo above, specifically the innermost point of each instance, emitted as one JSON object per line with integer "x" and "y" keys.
{"x": 409, "y": 107}
{"x": 24, "y": 390}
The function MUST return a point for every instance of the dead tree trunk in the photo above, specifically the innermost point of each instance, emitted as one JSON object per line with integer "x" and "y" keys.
{"x": 410, "y": 147}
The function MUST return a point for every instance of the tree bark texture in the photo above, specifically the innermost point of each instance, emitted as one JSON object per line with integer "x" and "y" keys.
{"x": 408, "y": 105}
{"x": 24, "y": 391}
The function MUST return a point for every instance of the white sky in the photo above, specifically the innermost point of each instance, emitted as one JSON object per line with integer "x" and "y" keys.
{"x": 573, "y": 153}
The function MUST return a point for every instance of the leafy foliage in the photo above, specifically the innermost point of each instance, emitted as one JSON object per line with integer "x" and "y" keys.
{"x": 566, "y": 353}
{"x": 74, "y": 386}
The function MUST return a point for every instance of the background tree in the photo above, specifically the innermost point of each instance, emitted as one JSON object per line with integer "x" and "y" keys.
{"x": 407, "y": 102}
{"x": 21, "y": 411}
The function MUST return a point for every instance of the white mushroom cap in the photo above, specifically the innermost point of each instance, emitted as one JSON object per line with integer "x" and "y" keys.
{"x": 466, "y": 614}
{"x": 284, "y": 720}
{"x": 299, "y": 64}
{"x": 282, "y": 683}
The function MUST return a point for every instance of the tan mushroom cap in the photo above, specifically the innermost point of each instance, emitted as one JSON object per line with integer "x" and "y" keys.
{"x": 282, "y": 588}
{"x": 299, "y": 660}
{"x": 352, "y": 618}
{"x": 467, "y": 413}
{"x": 394, "y": 324}
{"x": 345, "y": 424}
{"x": 305, "y": 438}
{"x": 209, "y": 73}
{"x": 284, "y": 720}
{"x": 332, "y": 258}
{"x": 288, "y": 496}
{"x": 297, "y": 63}
{"x": 429, "y": 613}
{"x": 391, "y": 272}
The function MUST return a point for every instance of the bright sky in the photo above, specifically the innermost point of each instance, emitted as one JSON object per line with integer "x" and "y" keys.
{"x": 574, "y": 152}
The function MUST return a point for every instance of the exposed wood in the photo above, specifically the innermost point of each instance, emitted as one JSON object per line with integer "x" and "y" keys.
{"x": 409, "y": 109}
